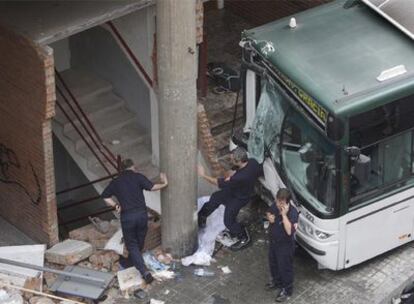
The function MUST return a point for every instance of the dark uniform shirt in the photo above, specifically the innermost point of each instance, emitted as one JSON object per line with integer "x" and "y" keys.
{"x": 242, "y": 182}
{"x": 277, "y": 230}
{"x": 128, "y": 189}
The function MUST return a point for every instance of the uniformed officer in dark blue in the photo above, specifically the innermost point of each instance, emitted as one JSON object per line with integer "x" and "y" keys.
{"x": 128, "y": 189}
{"x": 283, "y": 218}
{"x": 235, "y": 192}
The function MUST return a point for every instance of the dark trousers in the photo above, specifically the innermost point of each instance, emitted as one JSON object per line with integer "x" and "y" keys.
{"x": 134, "y": 228}
{"x": 232, "y": 207}
{"x": 281, "y": 264}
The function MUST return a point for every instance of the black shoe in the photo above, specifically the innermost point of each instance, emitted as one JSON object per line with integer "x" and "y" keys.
{"x": 242, "y": 243}
{"x": 148, "y": 278}
{"x": 272, "y": 286}
{"x": 140, "y": 294}
{"x": 283, "y": 296}
{"x": 202, "y": 221}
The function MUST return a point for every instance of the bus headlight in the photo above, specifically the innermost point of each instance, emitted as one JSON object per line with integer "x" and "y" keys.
{"x": 314, "y": 233}
{"x": 322, "y": 235}
{"x": 305, "y": 227}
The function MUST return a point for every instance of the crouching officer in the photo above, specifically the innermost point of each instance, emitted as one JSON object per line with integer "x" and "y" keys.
{"x": 235, "y": 192}
{"x": 128, "y": 189}
{"x": 283, "y": 218}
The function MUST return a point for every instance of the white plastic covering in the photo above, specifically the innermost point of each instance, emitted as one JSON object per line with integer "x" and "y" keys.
{"x": 206, "y": 236}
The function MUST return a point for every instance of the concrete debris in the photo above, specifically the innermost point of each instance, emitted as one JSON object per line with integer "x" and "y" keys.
{"x": 129, "y": 279}
{"x": 69, "y": 252}
{"x": 226, "y": 269}
{"x": 49, "y": 278}
{"x": 90, "y": 233}
{"x": 104, "y": 259}
{"x": 41, "y": 300}
{"x": 153, "y": 301}
{"x": 100, "y": 225}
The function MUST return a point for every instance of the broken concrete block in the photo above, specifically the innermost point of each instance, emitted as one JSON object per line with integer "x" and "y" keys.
{"x": 69, "y": 252}
{"x": 86, "y": 233}
{"x": 41, "y": 300}
{"x": 104, "y": 259}
{"x": 129, "y": 278}
{"x": 49, "y": 278}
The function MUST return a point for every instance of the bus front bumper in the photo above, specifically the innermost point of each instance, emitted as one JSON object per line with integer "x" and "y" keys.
{"x": 325, "y": 253}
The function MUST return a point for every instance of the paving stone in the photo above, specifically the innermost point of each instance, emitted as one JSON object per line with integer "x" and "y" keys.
{"x": 69, "y": 252}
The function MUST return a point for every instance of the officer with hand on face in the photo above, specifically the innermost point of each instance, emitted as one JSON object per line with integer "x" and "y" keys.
{"x": 283, "y": 218}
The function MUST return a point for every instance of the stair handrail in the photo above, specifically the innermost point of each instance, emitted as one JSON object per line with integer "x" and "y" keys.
{"x": 88, "y": 127}
{"x": 80, "y": 133}
{"x": 130, "y": 53}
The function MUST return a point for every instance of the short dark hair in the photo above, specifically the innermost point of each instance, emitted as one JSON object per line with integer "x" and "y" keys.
{"x": 240, "y": 155}
{"x": 283, "y": 194}
{"x": 126, "y": 164}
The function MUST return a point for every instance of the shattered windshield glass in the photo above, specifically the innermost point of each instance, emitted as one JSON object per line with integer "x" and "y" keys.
{"x": 267, "y": 123}
{"x": 309, "y": 162}
{"x": 308, "y": 157}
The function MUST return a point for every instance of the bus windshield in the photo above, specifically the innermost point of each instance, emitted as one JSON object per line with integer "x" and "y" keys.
{"x": 308, "y": 159}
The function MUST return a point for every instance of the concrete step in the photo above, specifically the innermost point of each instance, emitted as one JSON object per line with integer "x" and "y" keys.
{"x": 139, "y": 153}
{"x": 101, "y": 103}
{"x": 103, "y": 123}
{"x": 127, "y": 135}
{"x": 84, "y": 84}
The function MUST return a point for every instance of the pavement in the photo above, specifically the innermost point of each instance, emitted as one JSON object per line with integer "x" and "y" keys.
{"x": 373, "y": 282}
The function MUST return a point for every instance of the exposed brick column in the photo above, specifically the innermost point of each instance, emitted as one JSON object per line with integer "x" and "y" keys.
{"x": 206, "y": 142}
{"x": 27, "y": 95}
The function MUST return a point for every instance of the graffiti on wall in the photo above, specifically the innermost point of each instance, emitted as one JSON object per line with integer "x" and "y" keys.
{"x": 8, "y": 160}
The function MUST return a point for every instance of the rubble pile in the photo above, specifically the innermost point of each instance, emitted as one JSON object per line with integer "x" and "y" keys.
{"x": 85, "y": 248}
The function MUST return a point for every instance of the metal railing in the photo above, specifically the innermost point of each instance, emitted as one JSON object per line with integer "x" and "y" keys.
{"x": 71, "y": 109}
{"x": 130, "y": 53}
{"x": 95, "y": 145}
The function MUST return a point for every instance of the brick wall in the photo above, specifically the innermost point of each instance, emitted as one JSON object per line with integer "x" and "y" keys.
{"x": 260, "y": 12}
{"x": 27, "y": 94}
{"x": 206, "y": 142}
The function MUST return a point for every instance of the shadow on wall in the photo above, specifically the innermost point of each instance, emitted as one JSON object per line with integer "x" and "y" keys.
{"x": 97, "y": 51}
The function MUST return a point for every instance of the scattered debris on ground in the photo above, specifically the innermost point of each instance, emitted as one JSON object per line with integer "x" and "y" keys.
{"x": 83, "y": 256}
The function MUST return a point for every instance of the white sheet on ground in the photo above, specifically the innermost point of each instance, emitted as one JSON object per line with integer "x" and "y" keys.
{"x": 206, "y": 236}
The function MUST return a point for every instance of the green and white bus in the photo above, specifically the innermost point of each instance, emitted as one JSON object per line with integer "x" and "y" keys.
{"x": 329, "y": 108}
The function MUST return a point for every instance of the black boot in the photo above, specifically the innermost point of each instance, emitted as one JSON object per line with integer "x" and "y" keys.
{"x": 148, "y": 278}
{"x": 244, "y": 241}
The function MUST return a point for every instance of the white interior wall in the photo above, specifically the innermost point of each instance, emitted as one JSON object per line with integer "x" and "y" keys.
{"x": 62, "y": 54}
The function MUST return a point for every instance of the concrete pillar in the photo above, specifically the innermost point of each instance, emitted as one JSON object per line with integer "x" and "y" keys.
{"x": 177, "y": 66}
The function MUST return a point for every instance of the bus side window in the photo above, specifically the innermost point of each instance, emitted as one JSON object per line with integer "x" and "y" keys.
{"x": 383, "y": 164}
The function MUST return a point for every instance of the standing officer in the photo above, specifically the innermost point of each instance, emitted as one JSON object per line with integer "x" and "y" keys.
{"x": 283, "y": 218}
{"x": 128, "y": 189}
{"x": 235, "y": 192}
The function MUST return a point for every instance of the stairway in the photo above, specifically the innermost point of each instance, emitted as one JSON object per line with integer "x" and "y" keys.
{"x": 117, "y": 126}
